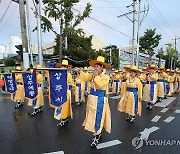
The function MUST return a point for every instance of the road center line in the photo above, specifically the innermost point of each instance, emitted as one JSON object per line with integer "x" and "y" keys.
{"x": 108, "y": 144}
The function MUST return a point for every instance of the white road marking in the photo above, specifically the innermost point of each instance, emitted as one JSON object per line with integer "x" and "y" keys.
{"x": 156, "y": 118}
{"x": 165, "y": 102}
{"x": 58, "y": 152}
{"x": 147, "y": 131}
{"x": 110, "y": 93}
{"x": 169, "y": 119}
{"x": 164, "y": 110}
{"x": 108, "y": 144}
{"x": 116, "y": 97}
{"x": 177, "y": 111}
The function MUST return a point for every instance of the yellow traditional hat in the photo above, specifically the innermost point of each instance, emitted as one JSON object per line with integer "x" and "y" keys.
{"x": 64, "y": 63}
{"x": 120, "y": 70}
{"x": 141, "y": 71}
{"x": 85, "y": 69}
{"x": 144, "y": 68}
{"x": 172, "y": 71}
{"x": 134, "y": 68}
{"x": 127, "y": 67}
{"x": 116, "y": 71}
{"x": 38, "y": 66}
{"x": 152, "y": 66}
{"x": 100, "y": 60}
{"x": 112, "y": 69}
{"x": 18, "y": 68}
{"x": 168, "y": 70}
{"x": 161, "y": 67}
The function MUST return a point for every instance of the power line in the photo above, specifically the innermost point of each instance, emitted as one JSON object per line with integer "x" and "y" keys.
{"x": 105, "y": 25}
{"x": 162, "y": 16}
{"x": 159, "y": 16}
{"x": 5, "y": 11}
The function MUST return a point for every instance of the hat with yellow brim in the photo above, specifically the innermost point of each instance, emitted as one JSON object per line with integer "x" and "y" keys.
{"x": 85, "y": 69}
{"x": 18, "y": 68}
{"x": 162, "y": 68}
{"x": 120, "y": 70}
{"x": 100, "y": 60}
{"x": 168, "y": 70}
{"x": 152, "y": 67}
{"x": 172, "y": 71}
{"x": 64, "y": 63}
{"x": 135, "y": 69}
{"x": 127, "y": 67}
{"x": 116, "y": 71}
{"x": 144, "y": 68}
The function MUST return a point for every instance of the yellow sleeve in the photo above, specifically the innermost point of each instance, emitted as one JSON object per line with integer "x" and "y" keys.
{"x": 39, "y": 78}
{"x": 82, "y": 86}
{"x": 85, "y": 77}
{"x": 164, "y": 75}
{"x": 139, "y": 84}
{"x": 101, "y": 82}
{"x": 69, "y": 78}
{"x": 154, "y": 76}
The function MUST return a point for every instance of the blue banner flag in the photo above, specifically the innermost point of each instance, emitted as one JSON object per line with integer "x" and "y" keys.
{"x": 30, "y": 85}
{"x": 57, "y": 87}
{"x": 10, "y": 83}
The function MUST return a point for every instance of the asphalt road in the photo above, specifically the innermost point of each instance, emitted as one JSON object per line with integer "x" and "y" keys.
{"x": 22, "y": 134}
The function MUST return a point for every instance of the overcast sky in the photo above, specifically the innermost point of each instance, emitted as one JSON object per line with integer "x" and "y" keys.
{"x": 163, "y": 15}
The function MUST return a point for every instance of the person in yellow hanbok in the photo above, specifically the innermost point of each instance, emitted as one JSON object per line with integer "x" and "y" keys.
{"x": 38, "y": 102}
{"x": 116, "y": 83}
{"x": 97, "y": 111}
{"x": 124, "y": 77}
{"x": 86, "y": 85}
{"x": 19, "y": 95}
{"x": 65, "y": 110}
{"x": 161, "y": 83}
{"x": 152, "y": 78}
{"x": 130, "y": 102}
{"x": 175, "y": 82}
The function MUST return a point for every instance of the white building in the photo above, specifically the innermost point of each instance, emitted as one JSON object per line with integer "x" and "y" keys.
{"x": 14, "y": 40}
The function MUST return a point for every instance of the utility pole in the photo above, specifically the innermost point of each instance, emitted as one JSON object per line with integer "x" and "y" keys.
{"x": 175, "y": 41}
{"x": 29, "y": 32}
{"x": 110, "y": 55}
{"x": 138, "y": 32}
{"x": 61, "y": 37}
{"x": 39, "y": 32}
{"x": 134, "y": 9}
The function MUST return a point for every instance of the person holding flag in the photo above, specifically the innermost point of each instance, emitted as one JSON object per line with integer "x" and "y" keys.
{"x": 19, "y": 95}
{"x": 65, "y": 110}
{"x": 38, "y": 102}
{"x": 98, "y": 113}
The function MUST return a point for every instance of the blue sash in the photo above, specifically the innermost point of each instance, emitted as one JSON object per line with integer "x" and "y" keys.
{"x": 152, "y": 83}
{"x": 167, "y": 87}
{"x": 100, "y": 106}
{"x": 86, "y": 86}
{"x": 69, "y": 87}
{"x": 124, "y": 80}
{"x": 135, "y": 92}
{"x": 116, "y": 81}
{"x": 79, "y": 89}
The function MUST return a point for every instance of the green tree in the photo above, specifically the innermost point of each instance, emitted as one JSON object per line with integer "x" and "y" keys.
{"x": 114, "y": 55}
{"x": 160, "y": 55}
{"x": 170, "y": 53}
{"x": 79, "y": 50}
{"x": 149, "y": 42}
{"x": 9, "y": 61}
{"x": 62, "y": 12}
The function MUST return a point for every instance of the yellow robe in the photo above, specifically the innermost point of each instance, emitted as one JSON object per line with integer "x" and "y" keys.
{"x": 115, "y": 78}
{"x": 127, "y": 102}
{"x": 81, "y": 90}
{"x": 100, "y": 82}
{"x": 161, "y": 88}
{"x": 123, "y": 81}
{"x": 170, "y": 80}
{"x": 153, "y": 77}
{"x": 19, "y": 95}
{"x": 175, "y": 83}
